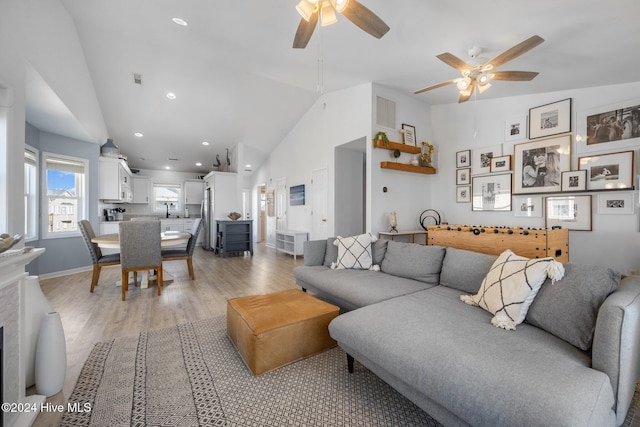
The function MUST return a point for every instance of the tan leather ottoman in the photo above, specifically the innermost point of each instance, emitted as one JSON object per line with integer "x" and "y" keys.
{"x": 276, "y": 329}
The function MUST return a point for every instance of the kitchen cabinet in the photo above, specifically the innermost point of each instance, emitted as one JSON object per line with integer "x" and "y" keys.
{"x": 172, "y": 225}
{"x": 193, "y": 192}
{"x": 140, "y": 186}
{"x": 114, "y": 181}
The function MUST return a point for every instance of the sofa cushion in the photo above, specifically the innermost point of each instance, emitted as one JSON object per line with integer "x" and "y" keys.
{"x": 331, "y": 253}
{"x": 413, "y": 261}
{"x": 354, "y": 251}
{"x": 465, "y": 270}
{"x": 511, "y": 285}
{"x": 569, "y": 308}
{"x": 379, "y": 250}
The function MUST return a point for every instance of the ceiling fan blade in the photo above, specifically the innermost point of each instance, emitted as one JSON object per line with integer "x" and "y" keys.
{"x": 464, "y": 98}
{"x": 516, "y": 51}
{"x": 305, "y": 31}
{"x": 365, "y": 19}
{"x": 435, "y": 86}
{"x": 516, "y": 76}
{"x": 453, "y": 61}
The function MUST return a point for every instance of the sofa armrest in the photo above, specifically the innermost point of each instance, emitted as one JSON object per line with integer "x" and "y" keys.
{"x": 314, "y": 252}
{"x": 616, "y": 343}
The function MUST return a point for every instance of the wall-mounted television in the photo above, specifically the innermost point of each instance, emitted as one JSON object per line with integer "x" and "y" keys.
{"x": 296, "y": 195}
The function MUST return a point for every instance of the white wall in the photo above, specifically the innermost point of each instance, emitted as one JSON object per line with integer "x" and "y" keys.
{"x": 615, "y": 239}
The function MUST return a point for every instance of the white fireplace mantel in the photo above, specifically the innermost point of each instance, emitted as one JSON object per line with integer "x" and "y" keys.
{"x": 12, "y": 274}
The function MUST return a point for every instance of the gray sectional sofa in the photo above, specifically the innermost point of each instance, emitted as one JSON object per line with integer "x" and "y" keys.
{"x": 574, "y": 361}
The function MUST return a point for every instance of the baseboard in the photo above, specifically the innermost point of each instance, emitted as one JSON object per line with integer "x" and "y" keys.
{"x": 65, "y": 272}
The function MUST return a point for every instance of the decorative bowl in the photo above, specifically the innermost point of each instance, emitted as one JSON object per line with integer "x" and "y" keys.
{"x": 234, "y": 216}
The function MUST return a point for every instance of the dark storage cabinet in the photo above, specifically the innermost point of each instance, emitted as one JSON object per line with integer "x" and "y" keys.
{"x": 234, "y": 236}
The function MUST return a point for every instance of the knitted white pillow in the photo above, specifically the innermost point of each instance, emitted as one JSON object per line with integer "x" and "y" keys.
{"x": 511, "y": 286}
{"x": 354, "y": 252}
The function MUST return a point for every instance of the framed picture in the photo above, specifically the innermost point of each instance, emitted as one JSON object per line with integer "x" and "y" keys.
{"x": 481, "y": 160}
{"x": 574, "y": 180}
{"x": 610, "y": 127}
{"x": 463, "y": 159}
{"x": 571, "y": 212}
{"x": 550, "y": 119}
{"x": 515, "y": 129}
{"x": 616, "y": 203}
{"x": 463, "y": 194}
{"x": 501, "y": 164}
{"x": 538, "y": 165}
{"x": 527, "y": 206}
{"x": 296, "y": 195}
{"x": 491, "y": 192}
{"x": 612, "y": 171}
{"x": 409, "y": 133}
{"x": 463, "y": 176}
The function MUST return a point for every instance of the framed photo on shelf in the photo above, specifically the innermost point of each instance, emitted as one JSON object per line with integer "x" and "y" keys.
{"x": 574, "y": 180}
{"x": 481, "y": 160}
{"x": 463, "y": 194}
{"x": 538, "y": 165}
{"x": 608, "y": 128}
{"x": 527, "y": 206}
{"x": 491, "y": 192}
{"x": 501, "y": 164}
{"x": 616, "y": 203}
{"x": 612, "y": 171}
{"x": 409, "y": 134}
{"x": 571, "y": 212}
{"x": 463, "y": 159}
{"x": 515, "y": 129}
{"x": 463, "y": 176}
{"x": 550, "y": 119}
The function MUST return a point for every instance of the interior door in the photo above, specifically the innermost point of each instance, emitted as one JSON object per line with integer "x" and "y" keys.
{"x": 319, "y": 202}
{"x": 281, "y": 203}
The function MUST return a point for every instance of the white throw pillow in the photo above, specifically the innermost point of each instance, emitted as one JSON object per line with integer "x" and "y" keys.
{"x": 354, "y": 252}
{"x": 511, "y": 285}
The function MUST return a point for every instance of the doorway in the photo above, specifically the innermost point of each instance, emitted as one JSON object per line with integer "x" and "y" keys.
{"x": 262, "y": 213}
{"x": 350, "y": 188}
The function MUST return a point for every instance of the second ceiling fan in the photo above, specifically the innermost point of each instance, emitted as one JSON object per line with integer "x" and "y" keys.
{"x": 325, "y": 11}
{"x": 480, "y": 76}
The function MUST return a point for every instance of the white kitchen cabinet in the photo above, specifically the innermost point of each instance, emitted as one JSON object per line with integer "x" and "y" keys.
{"x": 172, "y": 224}
{"x": 193, "y": 192}
{"x": 114, "y": 181}
{"x": 140, "y": 185}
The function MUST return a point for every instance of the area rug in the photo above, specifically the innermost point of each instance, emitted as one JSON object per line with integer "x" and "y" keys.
{"x": 191, "y": 375}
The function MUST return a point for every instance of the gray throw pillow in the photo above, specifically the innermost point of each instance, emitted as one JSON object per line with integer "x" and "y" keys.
{"x": 569, "y": 308}
{"x": 465, "y": 270}
{"x": 379, "y": 250}
{"x": 331, "y": 253}
{"x": 413, "y": 261}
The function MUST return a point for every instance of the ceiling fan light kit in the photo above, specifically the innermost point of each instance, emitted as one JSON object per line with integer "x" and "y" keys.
{"x": 478, "y": 76}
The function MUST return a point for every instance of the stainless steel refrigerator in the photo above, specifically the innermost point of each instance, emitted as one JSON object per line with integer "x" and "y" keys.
{"x": 221, "y": 197}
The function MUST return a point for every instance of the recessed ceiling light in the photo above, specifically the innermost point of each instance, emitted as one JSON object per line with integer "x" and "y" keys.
{"x": 198, "y": 164}
{"x": 138, "y": 134}
{"x": 205, "y": 143}
{"x": 247, "y": 166}
{"x": 179, "y": 21}
{"x": 171, "y": 95}
{"x": 167, "y": 167}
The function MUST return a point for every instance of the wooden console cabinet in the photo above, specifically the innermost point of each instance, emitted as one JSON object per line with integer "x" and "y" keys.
{"x": 494, "y": 240}
{"x": 234, "y": 236}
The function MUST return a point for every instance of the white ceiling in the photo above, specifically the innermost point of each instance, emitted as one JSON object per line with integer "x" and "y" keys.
{"x": 237, "y": 78}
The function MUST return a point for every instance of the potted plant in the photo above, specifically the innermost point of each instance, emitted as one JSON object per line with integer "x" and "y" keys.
{"x": 382, "y": 137}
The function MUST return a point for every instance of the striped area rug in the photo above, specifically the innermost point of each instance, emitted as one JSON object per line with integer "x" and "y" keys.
{"x": 191, "y": 375}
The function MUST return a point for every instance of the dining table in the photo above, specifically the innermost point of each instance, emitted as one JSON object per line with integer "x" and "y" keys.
{"x": 167, "y": 239}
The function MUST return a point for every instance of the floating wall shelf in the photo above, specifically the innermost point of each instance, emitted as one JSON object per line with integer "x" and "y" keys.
{"x": 407, "y": 168}
{"x": 411, "y": 149}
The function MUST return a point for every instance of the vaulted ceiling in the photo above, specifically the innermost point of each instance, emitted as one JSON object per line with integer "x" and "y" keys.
{"x": 237, "y": 78}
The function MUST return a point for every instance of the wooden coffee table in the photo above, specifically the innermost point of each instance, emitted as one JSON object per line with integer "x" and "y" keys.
{"x": 276, "y": 329}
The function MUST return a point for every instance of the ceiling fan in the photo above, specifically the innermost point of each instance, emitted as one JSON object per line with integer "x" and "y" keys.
{"x": 325, "y": 11}
{"x": 480, "y": 76}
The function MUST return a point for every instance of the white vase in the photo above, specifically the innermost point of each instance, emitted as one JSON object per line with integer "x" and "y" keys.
{"x": 51, "y": 356}
{"x": 36, "y": 306}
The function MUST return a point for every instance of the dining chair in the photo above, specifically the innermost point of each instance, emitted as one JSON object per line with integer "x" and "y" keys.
{"x": 139, "y": 250}
{"x": 186, "y": 253}
{"x": 99, "y": 260}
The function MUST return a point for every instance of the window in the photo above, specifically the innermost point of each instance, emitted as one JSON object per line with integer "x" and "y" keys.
{"x": 65, "y": 180}
{"x": 166, "y": 197}
{"x": 30, "y": 193}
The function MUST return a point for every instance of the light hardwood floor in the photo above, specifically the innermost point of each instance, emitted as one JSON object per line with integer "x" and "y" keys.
{"x": 89, "y": 318}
